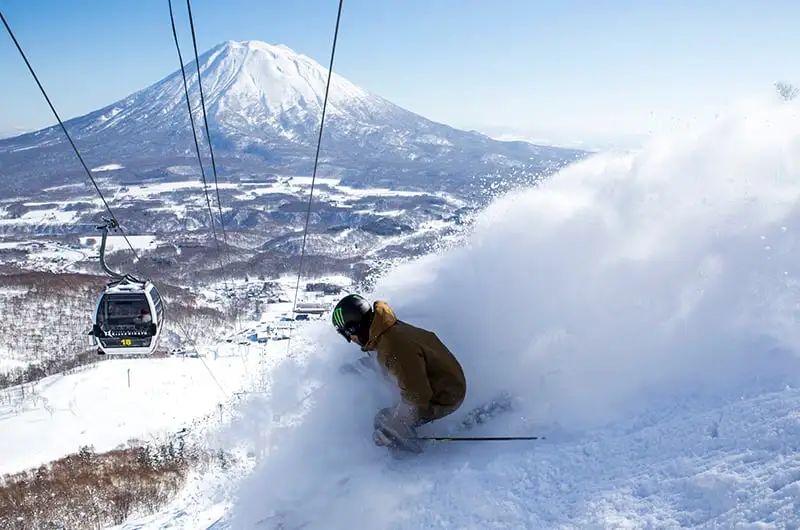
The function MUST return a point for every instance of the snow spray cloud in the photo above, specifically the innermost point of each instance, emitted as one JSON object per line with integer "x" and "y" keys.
{"x": 312, "y": 431}
{"x": 622, "y": 279}
{"x": 629, "y": 277}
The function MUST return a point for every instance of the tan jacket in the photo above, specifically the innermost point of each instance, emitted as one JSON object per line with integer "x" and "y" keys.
{"x": 429, "y": 376}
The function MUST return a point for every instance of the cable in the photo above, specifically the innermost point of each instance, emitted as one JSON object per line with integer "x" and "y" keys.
{"x": 194, "y": 131}
{"x": 478, "y": 438}
{"x": 210, "y": 148}
{"x": 91, "y": 177}
{"x": 63, "y": 128}
{"x": 208, "y": 132}
{"x": 196, "y": 349}
{"x": 211, "y": 152}
{"x": 316, "y": 163}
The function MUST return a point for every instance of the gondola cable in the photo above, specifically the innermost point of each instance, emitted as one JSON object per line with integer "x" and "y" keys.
{"x": 208, "y": 139}
{"x": 202, "y": 170}
{"x": 63, "y": 128}
{"x": 130, "y": 333}
{"x": 314, "y": 172}
{"x": 208, "y": 132}
{"x": 196, "y": 349}
{"x": 194, "y": 133}
{"x": 194, "y": 136}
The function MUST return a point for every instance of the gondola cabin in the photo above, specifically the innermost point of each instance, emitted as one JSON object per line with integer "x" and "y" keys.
{"x": 129, "y": 318}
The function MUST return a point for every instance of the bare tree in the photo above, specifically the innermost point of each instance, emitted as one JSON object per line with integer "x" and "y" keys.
{"x": 786, "y": 91}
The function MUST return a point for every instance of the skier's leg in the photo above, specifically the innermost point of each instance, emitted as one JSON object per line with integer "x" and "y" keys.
{"x": 436, "y": 412}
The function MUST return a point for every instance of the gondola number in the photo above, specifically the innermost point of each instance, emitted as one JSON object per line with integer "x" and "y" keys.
{"x": 126, "y": 342}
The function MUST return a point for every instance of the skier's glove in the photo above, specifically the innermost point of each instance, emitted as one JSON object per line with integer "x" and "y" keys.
{"x": 393, "y": 424}
{"x": 358, "y": 367}
{"x": 380, "y": 439}
{"x": 349, "y": 369}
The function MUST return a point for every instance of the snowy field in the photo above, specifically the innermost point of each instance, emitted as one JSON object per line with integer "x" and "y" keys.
{"x": 46, "y": 255}
{"x": 331, "y": 189}
{"x": 178, "y": 198}
{"x": 108, "y": 167}
{"x": 95, "y": 406}
{"x": 8, "y": 364}
{"x": 641, "y": 309}
{"x": 49, "y": 216}
{"x": 53, "y": 256}
{"x": 119, "y": 244}
{"x": 732, "y": 465}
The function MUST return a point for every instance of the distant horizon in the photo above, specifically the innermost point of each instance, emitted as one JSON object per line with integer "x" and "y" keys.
{"x": 571, "y": 74}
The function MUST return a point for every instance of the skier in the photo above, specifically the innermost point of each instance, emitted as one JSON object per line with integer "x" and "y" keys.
{"x": 431, "y": 381}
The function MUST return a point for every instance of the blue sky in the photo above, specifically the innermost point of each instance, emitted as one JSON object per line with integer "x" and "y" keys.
{"x": 599, "y": 71}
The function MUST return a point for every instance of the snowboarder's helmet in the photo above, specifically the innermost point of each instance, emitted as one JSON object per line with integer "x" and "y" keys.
{"x": 351, "y": 315}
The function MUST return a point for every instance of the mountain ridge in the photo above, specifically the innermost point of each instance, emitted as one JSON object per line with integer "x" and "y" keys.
{"x": 263, "y": 103}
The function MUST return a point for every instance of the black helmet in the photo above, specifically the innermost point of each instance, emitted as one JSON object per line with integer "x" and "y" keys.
{"x": 352, "y": 316}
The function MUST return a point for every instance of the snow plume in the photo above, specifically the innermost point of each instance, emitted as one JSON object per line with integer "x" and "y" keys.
{"x": 312, "y": 430}
{"x": 623, "y": 281}
{"x": 628, "y": 278}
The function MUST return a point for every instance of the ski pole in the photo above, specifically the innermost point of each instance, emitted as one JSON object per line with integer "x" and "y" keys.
{"x": 478, "y": 438}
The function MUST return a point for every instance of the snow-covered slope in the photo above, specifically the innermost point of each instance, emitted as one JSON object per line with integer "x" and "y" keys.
{"x": 264, "y": 105}
{"x": 640, "y": 309}
{"x": 96, "y": 407}
{"x": 111, "y": 402}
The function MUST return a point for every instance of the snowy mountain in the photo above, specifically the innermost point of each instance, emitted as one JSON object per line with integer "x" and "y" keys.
{"x": 264, "y": 104}
{"x": 398, "y": 182}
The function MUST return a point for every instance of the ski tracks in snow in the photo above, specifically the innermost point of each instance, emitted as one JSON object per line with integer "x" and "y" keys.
{"x": 730, "y": 465}
{"x": 694, "y": 465}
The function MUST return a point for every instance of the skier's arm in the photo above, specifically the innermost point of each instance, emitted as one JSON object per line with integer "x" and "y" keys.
{"x": 360, "y": 366}
{"x": 412, "y": 378}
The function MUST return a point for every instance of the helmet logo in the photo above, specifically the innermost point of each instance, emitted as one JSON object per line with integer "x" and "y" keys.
{"x": 338, "y": 319}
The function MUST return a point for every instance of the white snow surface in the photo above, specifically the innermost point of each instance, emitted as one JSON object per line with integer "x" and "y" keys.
{"x": 8, "y": 364}
{"x": 96, "y": 407}
{"x": 42, "y": 217}
{"x": 640, "y": 308}
{"x": 119, "y": 244}
{"x": 279, "y": 79}
{"x": 642, "y": 311}
{"x": 332, "y": 190}
{"x": 47, "y": 255}
{"x": 108, "y": 167}
{"x": 145, "y": 191}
